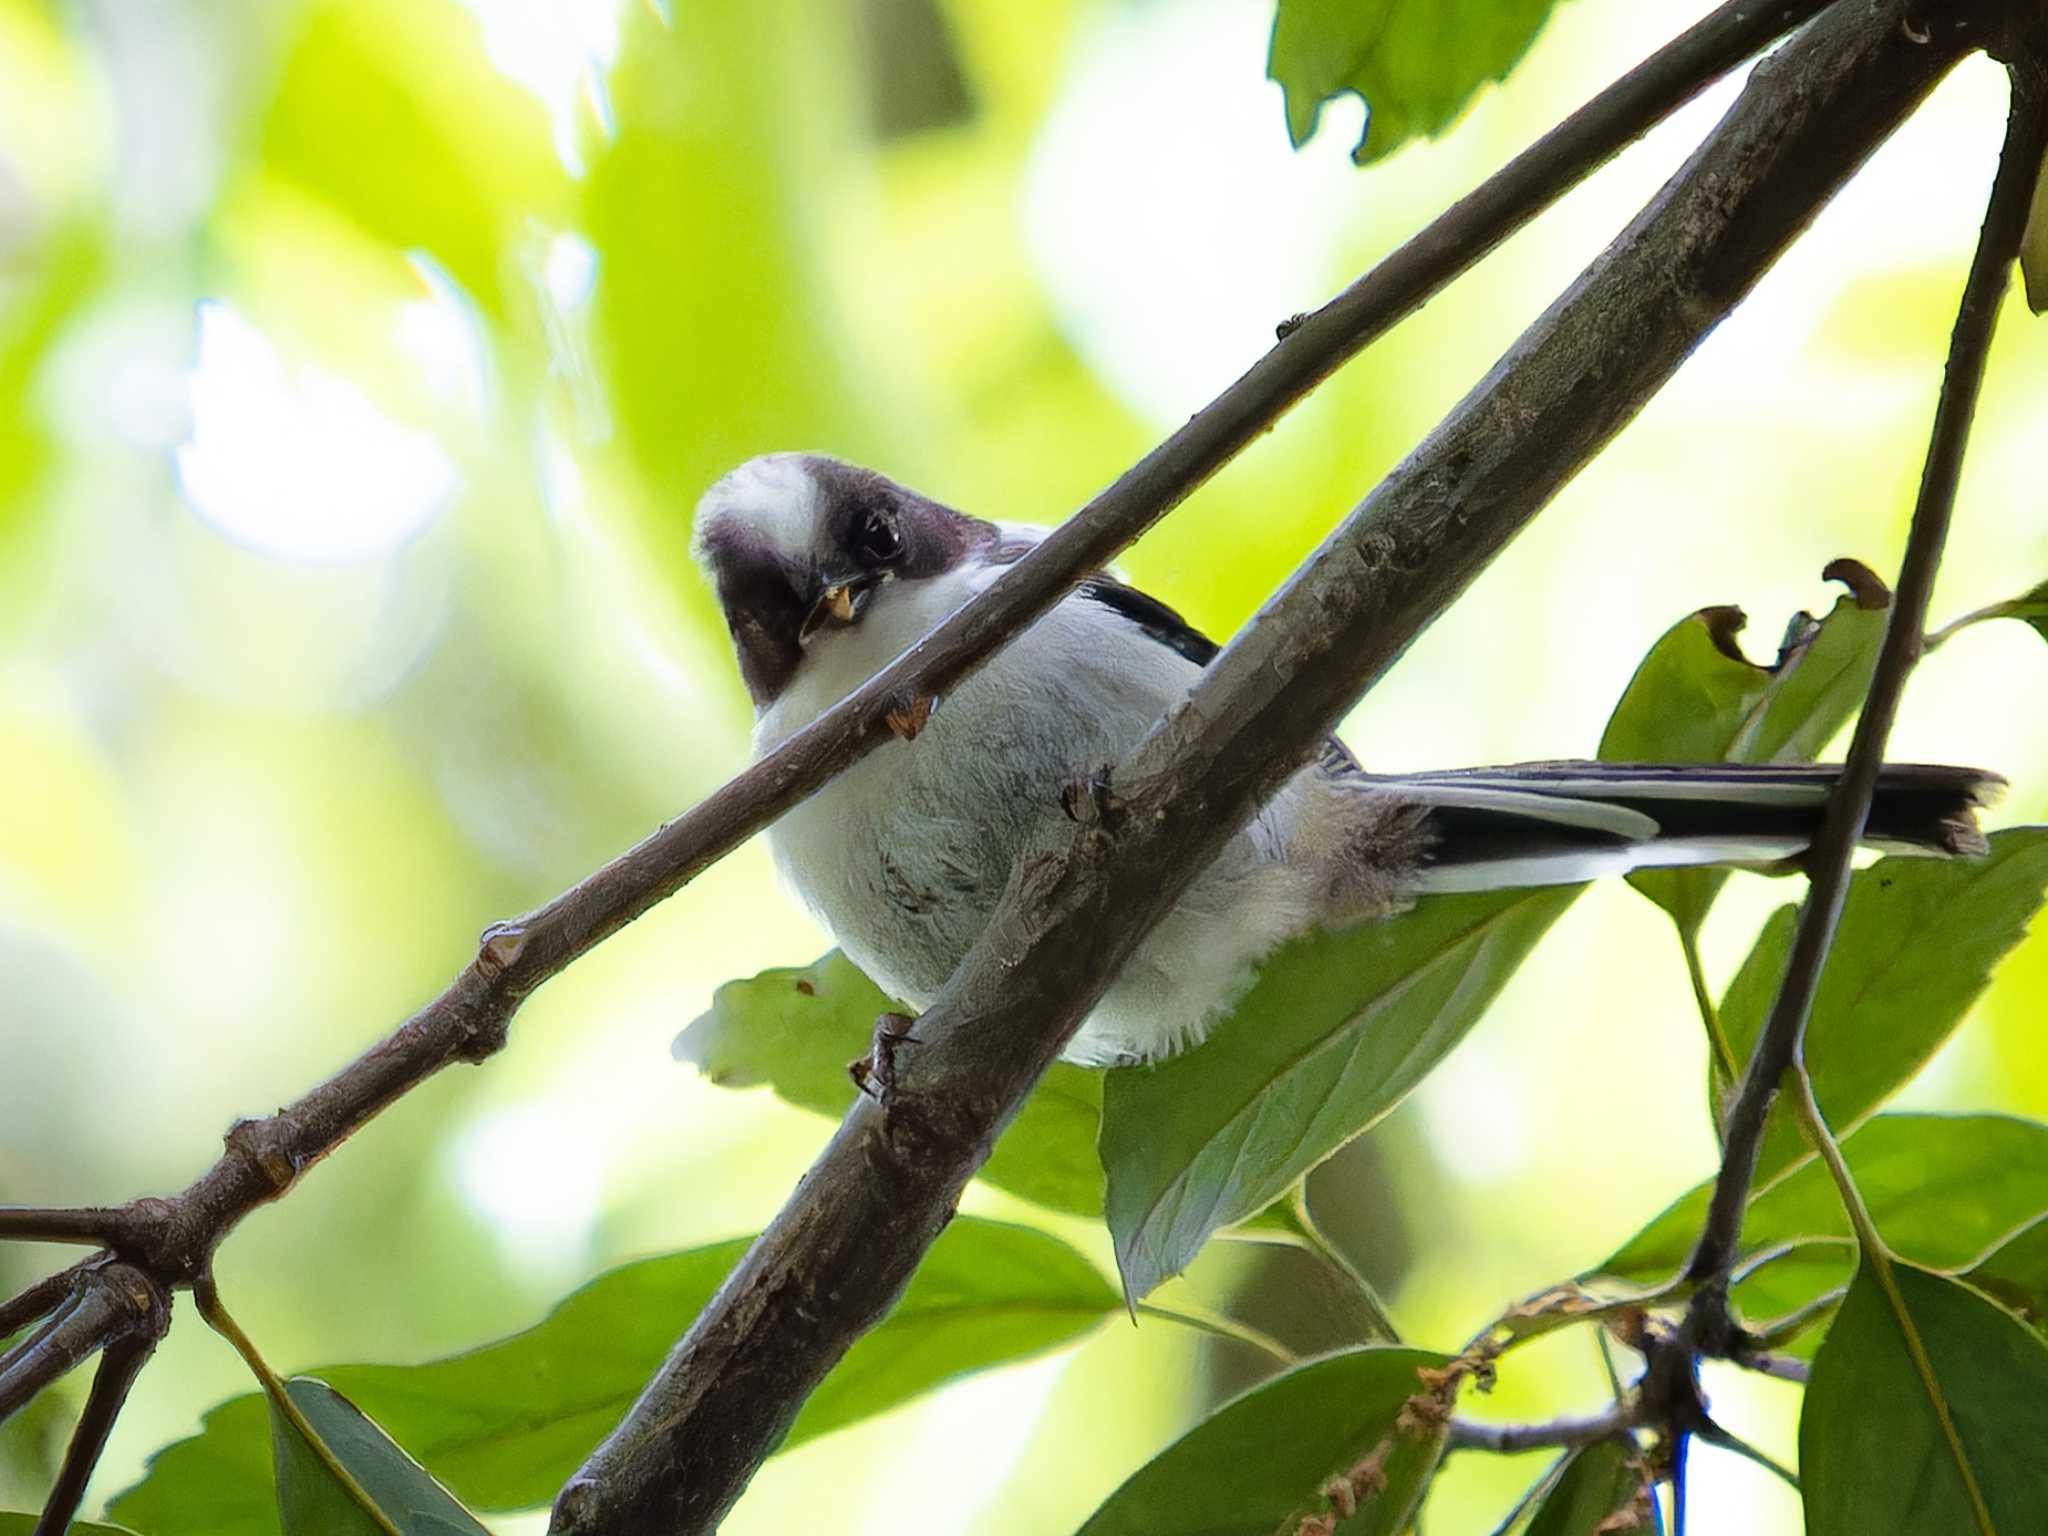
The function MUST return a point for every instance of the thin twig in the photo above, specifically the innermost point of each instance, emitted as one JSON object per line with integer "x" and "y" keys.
{"x": 111, "y": 1303}
{"x": 1605, "y": 1349}
{"x": 1937, "y": 638}
{"x": 119, "y": 1365}
{"x": 1806, "y": 1109}
{"x": 1710, "y": 1016}
{"x": 1793, "y": 1324}
{"x": 23, "y": 1370}
{"x": 93, "y": 1226}
{"x": 1780, "y": 1367}
{"x": 1764, "y": 1258}
{"x": 1567, "y": 1306}
{"x": 40, "y": 1299}
{"x": 1572, "y": 1430}
{"x": 1849, "y": 806}
{"x": 1723, "y": 1439}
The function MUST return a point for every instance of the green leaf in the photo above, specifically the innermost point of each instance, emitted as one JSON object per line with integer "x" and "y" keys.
{"x": 1917, "y": 943}
{"x": 1941, "y": 1188}
{"x": 1333, "y": 1034}
{"x": 25, "y": 1525}
{"x": 2031, "y": 609}
{"x": 219, "y": 1482}
{"x": 1278, "y": 1222}
{"x": 2016, "y": 1272}
{"x": 391, "y": 1492}
{"x": 796, "y": 1030}
{"x": 503, "y": 1426}
{"x": 1416, "y": 65}
{"x": 1598, "y": 1481}
{"x": 1696, "y": 698}
{"x": 1874, "y": 1453}
{"x": 1260, "y": 1461}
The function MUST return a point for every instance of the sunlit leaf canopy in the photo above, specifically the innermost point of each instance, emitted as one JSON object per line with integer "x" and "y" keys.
{"x": 359, "y": 365}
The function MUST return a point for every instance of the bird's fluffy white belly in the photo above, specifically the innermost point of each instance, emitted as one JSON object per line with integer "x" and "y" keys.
{"x": 904, "y": 855}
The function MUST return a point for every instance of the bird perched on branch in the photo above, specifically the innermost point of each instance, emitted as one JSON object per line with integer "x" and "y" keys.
{"x": 827, "y": 572}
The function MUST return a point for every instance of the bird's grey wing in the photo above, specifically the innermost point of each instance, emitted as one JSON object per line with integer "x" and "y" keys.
{"x": 1164, "y": 626}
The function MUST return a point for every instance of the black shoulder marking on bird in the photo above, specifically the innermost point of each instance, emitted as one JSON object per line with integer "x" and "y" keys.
{"x": 1167, "y": 627}
{"x": 1157, "y": 620}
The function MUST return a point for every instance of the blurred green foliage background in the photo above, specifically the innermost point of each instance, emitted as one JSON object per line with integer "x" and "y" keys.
{"x": 360, "y": 362}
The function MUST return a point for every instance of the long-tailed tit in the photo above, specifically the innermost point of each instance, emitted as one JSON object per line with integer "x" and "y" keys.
{"x": 827, "y": 572}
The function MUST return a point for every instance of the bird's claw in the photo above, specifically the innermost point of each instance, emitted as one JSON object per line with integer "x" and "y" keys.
{"x": 1088, "y": 799}
{"x": 875, "y": 1073}
{"x": 907, "y": 719}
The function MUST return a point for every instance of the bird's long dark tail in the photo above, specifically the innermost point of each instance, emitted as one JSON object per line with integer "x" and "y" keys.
{"x": 1558, "y": 823}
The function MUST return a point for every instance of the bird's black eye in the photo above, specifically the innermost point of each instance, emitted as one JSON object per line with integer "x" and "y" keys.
{"x": 875, "y": 539}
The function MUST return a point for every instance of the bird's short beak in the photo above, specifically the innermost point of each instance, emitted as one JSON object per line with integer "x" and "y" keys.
{"x": 840, "y": 599}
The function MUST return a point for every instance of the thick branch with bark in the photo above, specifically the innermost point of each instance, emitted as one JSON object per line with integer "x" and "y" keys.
{"x": 841, "y": 1251}
{"x": 173, "y": 1239}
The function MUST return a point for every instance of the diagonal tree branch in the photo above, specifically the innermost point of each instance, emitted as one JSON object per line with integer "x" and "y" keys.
{"x": 94, "y": 1226}
{"x": 173, "y": 1239}
{"x": 839, "y": 1253}
{"x": 40, "y": 1299}
{"x": 111, "y": 1303}
{"x": 1828, "y": 863}
{"x": 119, "y": 1366}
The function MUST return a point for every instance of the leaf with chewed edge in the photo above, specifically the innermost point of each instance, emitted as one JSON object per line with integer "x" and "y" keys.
{"x": 1415, "y": 66}
{"x": 1695, "y": 698}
